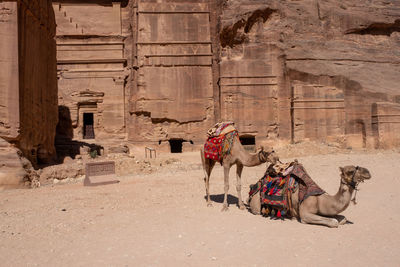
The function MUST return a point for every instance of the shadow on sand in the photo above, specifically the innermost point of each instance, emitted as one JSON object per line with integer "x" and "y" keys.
{"x": 220, "y": 199}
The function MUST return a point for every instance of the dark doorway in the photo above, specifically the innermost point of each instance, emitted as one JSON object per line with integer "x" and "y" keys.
{"x": 176, "y": 145}
{"x": 248, "y": 142}
{"x": 88, "y": 127}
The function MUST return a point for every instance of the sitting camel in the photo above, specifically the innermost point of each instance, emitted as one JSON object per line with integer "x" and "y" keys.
{"x": 314, "y": 208}
{"x": 239, "y": 156}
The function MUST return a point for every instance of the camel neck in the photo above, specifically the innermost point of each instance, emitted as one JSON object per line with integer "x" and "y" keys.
{"x": 343, "y": 197}
{"x": 248, "y": 159}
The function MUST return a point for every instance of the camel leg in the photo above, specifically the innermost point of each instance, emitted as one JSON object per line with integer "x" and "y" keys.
{"x": 255, "y": 204}
{"x": 239, "y": 169}
{"x": 226, "y": 188}
{"x": 308, "y": 213}
{"x": 210, "y": 166}
{"x": 316, "y": 219}
{"x": 341, "y": 219}
{"x": 207, "y": 168}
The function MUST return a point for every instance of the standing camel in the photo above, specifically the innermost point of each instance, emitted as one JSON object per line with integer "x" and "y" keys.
{"x": 239, "y": 156}
{"x": 323, "y": 209}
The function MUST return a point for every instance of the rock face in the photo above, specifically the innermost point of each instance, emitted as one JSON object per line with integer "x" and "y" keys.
{"x": 161, "y": 73}
{"x": 173, "y": 99}
{"x": 28, "y": 80}
{"x": 338, "y": 59}
{"x": 91, "y": 73}
{"x": 15, "y": 170}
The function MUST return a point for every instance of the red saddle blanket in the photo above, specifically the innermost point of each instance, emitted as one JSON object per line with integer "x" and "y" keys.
{"x": 213, "y": 148}
{"x": 217, "y": 147}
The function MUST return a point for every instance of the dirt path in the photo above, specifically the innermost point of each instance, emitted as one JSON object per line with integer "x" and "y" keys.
{"x": 161, "y": 219}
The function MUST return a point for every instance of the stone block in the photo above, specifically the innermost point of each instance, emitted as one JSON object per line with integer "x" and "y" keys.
{"x": 100, "y": 173}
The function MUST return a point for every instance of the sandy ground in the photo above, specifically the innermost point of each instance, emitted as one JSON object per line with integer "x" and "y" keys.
{"x": 161, "y": 219}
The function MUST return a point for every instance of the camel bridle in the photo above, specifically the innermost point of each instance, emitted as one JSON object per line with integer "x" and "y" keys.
{"x": 353, "y": 184}
{"x": 261, "y": 154}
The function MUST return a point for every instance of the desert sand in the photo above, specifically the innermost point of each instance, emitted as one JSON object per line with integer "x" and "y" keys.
{"x": 161, "y": 219}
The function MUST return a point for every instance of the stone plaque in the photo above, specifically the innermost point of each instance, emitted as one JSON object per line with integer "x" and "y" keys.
{"x": 100, "y": 173}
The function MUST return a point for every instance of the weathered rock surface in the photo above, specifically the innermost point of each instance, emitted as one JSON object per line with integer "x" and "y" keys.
{"x": 338, "y": 59}
{"x": 28, "y": 82}
{"x": 284, "y": 71}
{"x": 160, "y": 73}
{"x": 91, "y": 73}
{"x": 15, "y": 170}
{"x": 74, "y": 170}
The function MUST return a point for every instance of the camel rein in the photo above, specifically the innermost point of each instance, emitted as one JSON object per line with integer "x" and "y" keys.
{"x": 353, "y": 185}
{"x": 259, "y": 156}
{"x": 266, "y": 157}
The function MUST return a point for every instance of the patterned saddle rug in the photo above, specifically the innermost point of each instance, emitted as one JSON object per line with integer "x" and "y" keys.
{"x": 220, "y": 140}
{"x": 274, "y": 189}
{"x": 307, "y": 186}
{"x": 274, "y": 193}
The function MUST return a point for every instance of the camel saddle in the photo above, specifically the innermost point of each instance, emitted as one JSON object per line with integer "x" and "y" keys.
{"x": 274, "y": 193}
{"x": 219, "y": 141}
{"x": 279, "y": 183}
{"x": 221, "y": 128}
{"x": 307, "y": 186}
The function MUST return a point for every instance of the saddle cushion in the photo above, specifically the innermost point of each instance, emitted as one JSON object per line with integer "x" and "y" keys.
{"x": 219, "y": 141}
{"x": 307, "y": 186}
{"x": 213, "y": 148}
{"x": 221, "y": 128}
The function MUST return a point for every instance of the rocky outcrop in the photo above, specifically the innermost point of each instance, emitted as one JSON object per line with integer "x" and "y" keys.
{"x": 9, "y": 81}
{"x": 160, "y": 73}
{"x": 283, "y": 71}
{"x": 28, "y": 82}
{"x": 91, "y": 76}
{"x": 338, "y": 58}
{"x": 15, "y": 169}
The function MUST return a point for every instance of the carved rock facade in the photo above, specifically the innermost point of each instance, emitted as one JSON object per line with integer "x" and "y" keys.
{"x": 161, "y": 73}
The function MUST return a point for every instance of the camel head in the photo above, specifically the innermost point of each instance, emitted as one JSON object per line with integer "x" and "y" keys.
{"x": 353, "y": 175}
{"x": 268, "y": 155}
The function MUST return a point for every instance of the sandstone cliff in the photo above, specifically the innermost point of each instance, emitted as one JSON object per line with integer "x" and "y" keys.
{"x": 284, "y": 71}
{"x": 338, "y": 59}
{"x": 28, "y": 84}
{"x": 358, "y": 40}
{"x": 160, "y": 73}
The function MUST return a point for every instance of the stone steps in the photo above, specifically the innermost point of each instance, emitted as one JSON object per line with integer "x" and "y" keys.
{"x": 62, "y": 14}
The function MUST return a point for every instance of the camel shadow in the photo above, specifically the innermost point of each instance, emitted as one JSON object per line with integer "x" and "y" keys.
{"x": 220, "y": 199}
{"x": 342, "y": 219}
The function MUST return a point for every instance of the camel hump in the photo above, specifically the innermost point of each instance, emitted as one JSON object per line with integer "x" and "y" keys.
{"x": 221, "y": 128}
